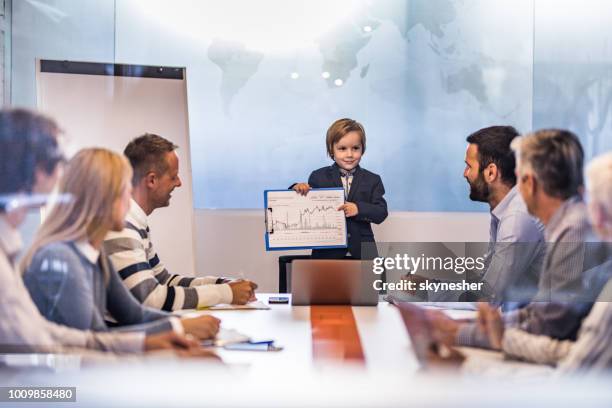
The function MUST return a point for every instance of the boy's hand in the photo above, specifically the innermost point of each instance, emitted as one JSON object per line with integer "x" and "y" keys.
{"x": 302, "y": 188}
{"x": 350, "y": 209}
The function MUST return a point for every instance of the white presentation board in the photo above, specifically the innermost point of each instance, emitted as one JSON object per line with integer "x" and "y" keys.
{"x": 295, "y": 221}
{"x": 107, "y": 105}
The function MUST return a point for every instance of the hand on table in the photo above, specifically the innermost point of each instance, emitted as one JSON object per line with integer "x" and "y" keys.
{"x": 444, "y": 357}
{"x": 491, "y": 323}
{"x": 184, "y": 346}
{"x": 169, "y": 340}
{"x": 243, "y": 291}
{"x": 199, "y": 352}
{"x": 202, "y": 327}
{"x": 443, "y": 328}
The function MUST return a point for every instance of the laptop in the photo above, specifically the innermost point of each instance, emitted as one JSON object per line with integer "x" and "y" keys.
{"x": 420, "y": 333}
{"x": 332, "y": 282}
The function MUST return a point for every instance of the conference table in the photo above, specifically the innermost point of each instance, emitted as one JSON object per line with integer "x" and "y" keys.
{"x": 332, "y": 356}
{"x": 372, "y": 336}
{"x": 369, "y": 337}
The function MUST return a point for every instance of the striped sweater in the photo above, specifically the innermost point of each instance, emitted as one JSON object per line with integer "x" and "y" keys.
{"x": 133, "y": 256}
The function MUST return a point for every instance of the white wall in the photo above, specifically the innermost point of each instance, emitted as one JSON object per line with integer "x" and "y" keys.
{"x": 230, "y": 242}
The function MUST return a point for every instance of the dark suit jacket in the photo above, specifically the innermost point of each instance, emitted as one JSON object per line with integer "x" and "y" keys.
{"x": 367, "y": 192}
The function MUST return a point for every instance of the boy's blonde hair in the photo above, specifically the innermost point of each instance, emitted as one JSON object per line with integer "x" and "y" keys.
{"x": 93, "y": 179}
{"x": 339, "y": 129}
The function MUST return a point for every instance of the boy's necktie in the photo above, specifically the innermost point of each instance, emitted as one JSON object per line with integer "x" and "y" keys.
{"x": 348, "y": 178}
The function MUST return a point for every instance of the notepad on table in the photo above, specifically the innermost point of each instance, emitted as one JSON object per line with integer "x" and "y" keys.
{"x": 255, "y": 305}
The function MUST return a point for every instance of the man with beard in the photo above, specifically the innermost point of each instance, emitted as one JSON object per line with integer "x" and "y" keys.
{"x": 516, "y": 240}
{"x": 543, "y": 334}
{"x": 550, "y": 180}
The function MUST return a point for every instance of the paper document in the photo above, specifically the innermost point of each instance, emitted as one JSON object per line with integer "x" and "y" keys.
{"x": 294, "y": 221}
{"x": 457, "y": 314}
{"x": 452, "y": 305}
{"x": 255, "y": 305}
{"x": 229, "y": 336}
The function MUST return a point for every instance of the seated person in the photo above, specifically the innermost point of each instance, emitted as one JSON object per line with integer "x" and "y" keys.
{"x": 66, "y": 271}
{"x": 549, "y": 172}
{"x": 591, "y": 351}
{"x": 516, "y": 239}
{"x": 29, "y": 163}
{"x": 131, "y": 251}
{"x": 516, "y": 245}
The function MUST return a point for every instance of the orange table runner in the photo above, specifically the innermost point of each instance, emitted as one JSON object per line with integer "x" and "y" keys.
{"x": 334, "y": 334}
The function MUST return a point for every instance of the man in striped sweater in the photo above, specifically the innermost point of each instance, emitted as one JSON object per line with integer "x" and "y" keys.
{"x": 131, "y": 251}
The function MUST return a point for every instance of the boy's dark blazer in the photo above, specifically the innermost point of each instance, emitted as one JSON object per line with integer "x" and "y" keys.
{"x": 367, "y": 193}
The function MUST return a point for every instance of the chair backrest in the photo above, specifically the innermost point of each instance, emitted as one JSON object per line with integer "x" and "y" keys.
{"x": 284, "y": 271}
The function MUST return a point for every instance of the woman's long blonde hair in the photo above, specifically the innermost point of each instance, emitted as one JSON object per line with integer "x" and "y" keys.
{"x": 93, "y": 180}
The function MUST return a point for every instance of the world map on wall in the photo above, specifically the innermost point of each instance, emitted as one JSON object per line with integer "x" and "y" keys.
{"x": 421, "y": 75}
{"x": 415, "y": 72}
{"x": 339, "y": 48}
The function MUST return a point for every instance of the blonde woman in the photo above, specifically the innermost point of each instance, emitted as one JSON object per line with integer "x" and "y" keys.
{"x": 29, "y": 161}
{"x": 66, "y": 270}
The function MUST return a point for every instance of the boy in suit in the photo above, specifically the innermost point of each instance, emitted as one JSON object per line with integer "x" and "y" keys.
{"x": 363, "y": 190}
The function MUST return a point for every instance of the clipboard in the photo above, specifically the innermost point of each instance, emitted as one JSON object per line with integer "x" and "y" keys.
{"x": 295, "y": 222}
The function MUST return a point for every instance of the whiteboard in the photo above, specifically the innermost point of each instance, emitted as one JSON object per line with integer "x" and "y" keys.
{"x": 107, "y": 105}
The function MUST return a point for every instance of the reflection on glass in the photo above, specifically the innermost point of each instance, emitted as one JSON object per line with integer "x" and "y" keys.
{"x": 419, "y": 74}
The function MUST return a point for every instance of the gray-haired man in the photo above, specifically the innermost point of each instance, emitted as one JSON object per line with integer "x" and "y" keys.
{"x": 549, "y": 172}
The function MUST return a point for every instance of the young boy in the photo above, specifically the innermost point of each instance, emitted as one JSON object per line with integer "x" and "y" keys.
{"x": 364, "y": 190}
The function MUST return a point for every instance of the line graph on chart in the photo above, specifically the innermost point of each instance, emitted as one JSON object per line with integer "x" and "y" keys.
{"x": 313, "y": 220}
